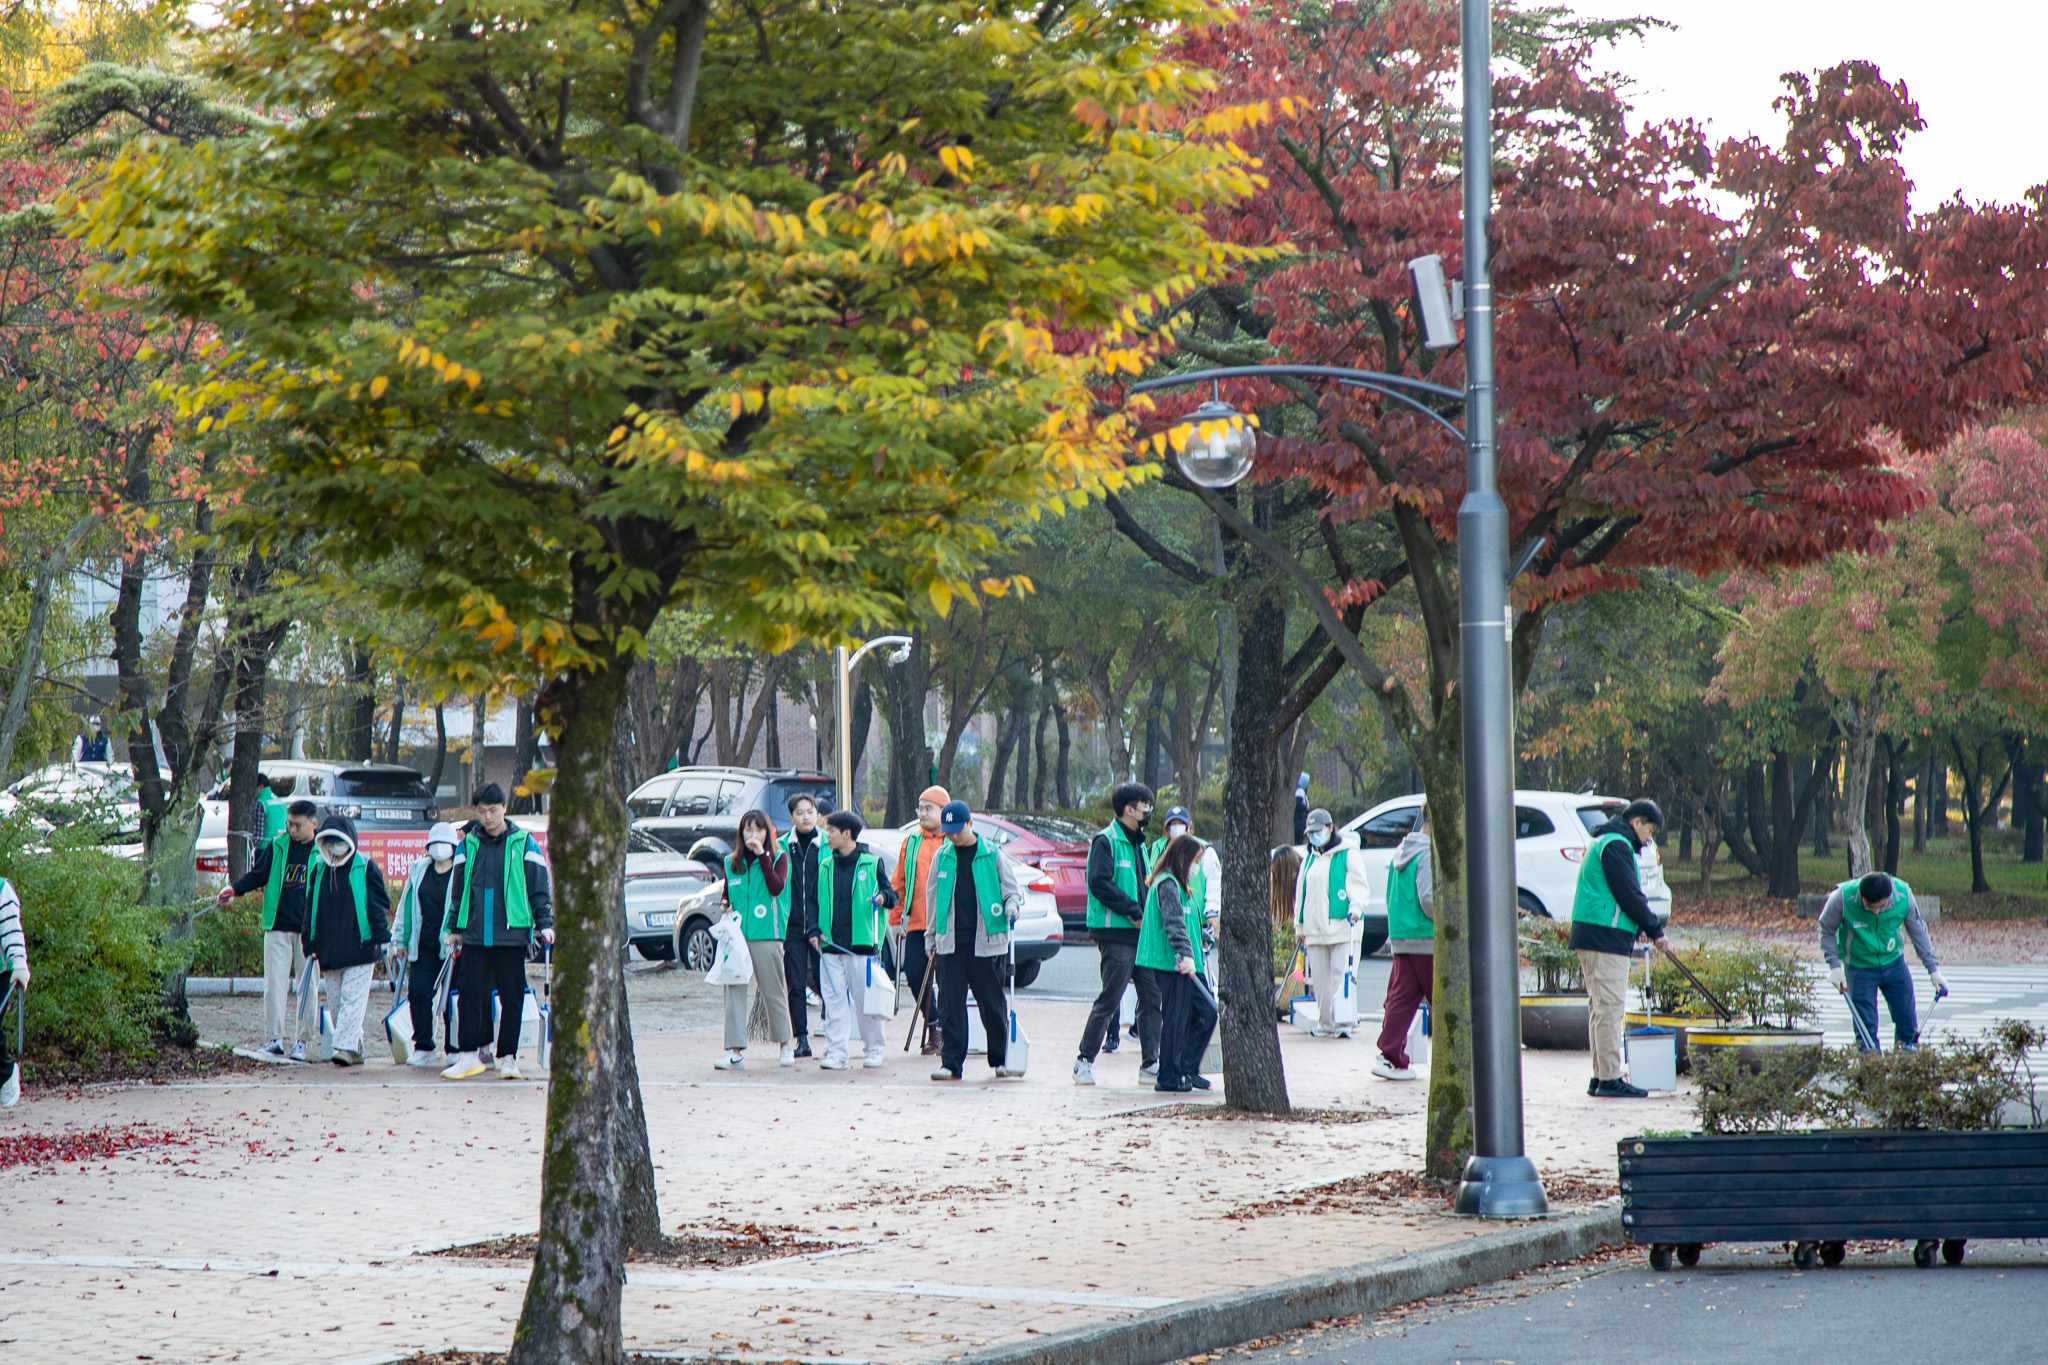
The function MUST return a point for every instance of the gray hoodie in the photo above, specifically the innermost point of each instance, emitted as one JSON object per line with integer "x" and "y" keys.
{"x": 1415, "y": 849}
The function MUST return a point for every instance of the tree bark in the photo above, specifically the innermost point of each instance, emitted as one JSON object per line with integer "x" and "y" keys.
{"x": 1894, "y": 801}
{"x": 1858, "y": 722}
{"x": 905, "y": 686}
{"x": 394, "y": 738}
{"x": 28, "y": 662}
{"x": 1972, "y": 774}
{"x": 1155, "y": 734}
{"x": 440, "y": 750}
{"x": 1789, "y": 813}
{"x": 525, "y": 744}
{"x": 363, "y": 719}
{"x": 1062, "y": 787}
{"x": 255, "y": 645}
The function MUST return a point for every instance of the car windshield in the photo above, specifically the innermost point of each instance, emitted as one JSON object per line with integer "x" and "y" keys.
{"x": 640, "y": 841}
{"x": 775, "y": 797}
{"x": 1592, "y": 817}
{"x": 388, "y": 783}
{"x": 1051, "y": 827}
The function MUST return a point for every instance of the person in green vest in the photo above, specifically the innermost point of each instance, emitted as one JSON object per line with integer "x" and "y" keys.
{"x": 853, "y": 892}
{"x": 1207, "y": 887}
{"x": 1170, "y": 950}
{"x": 348, "y": 922}
{"x": 1330, "y": 898}
{"x": 276, "y": 810}
{"x": 503, "y": 903}
{"x": 1609, "y": 912}
{"x": 416, "y": 938}
{"x": 757, "y": 890}
{"x": 1863, "y": 928}
{"x": 1116, "y": 862}
{"x": 972, "y": 897}
{"x": 280, "y": 873}
{"x": 1411, "y": 937}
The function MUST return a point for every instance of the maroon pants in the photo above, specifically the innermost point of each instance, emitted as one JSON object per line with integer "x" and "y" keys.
{"x": 1408, "y": 985}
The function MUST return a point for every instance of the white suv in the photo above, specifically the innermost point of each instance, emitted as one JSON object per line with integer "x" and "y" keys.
{"x": 1553, "y": 831}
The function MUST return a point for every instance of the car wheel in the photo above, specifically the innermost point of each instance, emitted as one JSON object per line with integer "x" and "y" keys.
{"x": 1529, "y": 905}
{"x": 656, "y": 949}
{"x": 1027, "y": 972}
{"x": 695, "y": 946}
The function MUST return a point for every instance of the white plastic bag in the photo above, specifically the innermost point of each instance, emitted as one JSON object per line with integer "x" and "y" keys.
{"x": 878, "y": 989}
{"x": 734, "y": 965}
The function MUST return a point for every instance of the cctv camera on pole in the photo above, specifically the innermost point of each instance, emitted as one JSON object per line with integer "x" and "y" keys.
{"x": 1433, "y": 302}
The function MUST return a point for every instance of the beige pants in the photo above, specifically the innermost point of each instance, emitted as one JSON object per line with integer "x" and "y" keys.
{"x": 1606, "y": 1001}
{"x": 1325, "y": 961}
{"x": 768, "y": 979}
{"x": 283, "y": 960}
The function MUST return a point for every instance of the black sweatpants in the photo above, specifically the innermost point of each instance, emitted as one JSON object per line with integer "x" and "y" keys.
{"x": 960, "y": 970}
{"x": 478, "y": 972}
{"x": 799, "y": 965}
{"x": 6, "y": 1055}
{"x": 1118, "y": 961}
{"x": 420, "y": 976}
{"x": 1187, "y": 1017}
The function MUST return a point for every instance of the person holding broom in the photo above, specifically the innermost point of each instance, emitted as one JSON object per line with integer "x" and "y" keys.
{"x": 1609, "y": 910}
{"x": 974, "y": 896}
{"x": 1863, "y": 929}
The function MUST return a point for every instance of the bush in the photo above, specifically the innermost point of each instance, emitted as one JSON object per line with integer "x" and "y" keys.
{"x": 1765, "y": 984}
{"x": 98, "y": 955}
{"x": 228, "y": 942}
{"x": 1547, "y": 952}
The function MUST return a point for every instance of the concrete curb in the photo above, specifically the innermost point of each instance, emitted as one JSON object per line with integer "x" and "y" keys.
{"x": 1201, "y": 1325}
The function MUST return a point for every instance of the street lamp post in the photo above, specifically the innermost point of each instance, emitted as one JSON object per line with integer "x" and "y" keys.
{"x": 1499, "y": 1180}
{"x": 843, "y": 667}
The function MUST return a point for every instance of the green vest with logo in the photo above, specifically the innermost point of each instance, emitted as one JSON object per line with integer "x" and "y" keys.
{"x": 358, "y": 886}
{"x": 1198, "y": 882}
{"x": 273, "y": 888}
{"x": 1405, "y": 916}
{"x": 867, "y": 884}
{"x": 763, "y": 917}
{"x": 988, "y": 888}
{"x": 1155, "y": 949}
{"x": 1126, "y": 873}
{"x": 1872, "y": 938}
{"x": 1594, "y": 902}
{"x": 1338, "y": 902}
{"x": 518, "y": 913}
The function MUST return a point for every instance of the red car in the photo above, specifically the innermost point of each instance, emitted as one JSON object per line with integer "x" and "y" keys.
{"x": 1058, "y": 848}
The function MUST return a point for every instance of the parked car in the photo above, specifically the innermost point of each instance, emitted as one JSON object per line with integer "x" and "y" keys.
{"x": 698, "y": 810}
{"x": 1053, "y": 847}
{"x": 64, "y": 792}
{"x": 377, "y": 796}
{"x": 658, "y": 879}
{"x": 1553, "y": 831}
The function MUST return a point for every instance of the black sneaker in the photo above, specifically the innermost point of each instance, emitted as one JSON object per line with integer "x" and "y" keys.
{"x": 1109, "y": 1043}
{"x": 1593, "y": 1085}
{"x": 1620, "y": 1090}
{"x": 1199, "y": 1082}
{"x": 803, "y": 1047}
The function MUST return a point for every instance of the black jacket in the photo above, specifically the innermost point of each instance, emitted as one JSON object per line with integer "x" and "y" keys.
{"x": 333, "y": 931}
{"x": 289, "y": 917}
{"x": 483, "y": 877}
{"x": 803, "y": 884}
{"x": 1618, "y": 865}
{"x": 1102, "y": 885}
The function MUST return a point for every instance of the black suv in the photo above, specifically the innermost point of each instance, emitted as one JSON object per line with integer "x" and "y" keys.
{"x": 698, "y": 810}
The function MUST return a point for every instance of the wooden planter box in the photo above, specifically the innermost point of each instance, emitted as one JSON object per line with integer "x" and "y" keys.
{"x": 1555, "y": 1023}
{"x": 1819, "y": 1190}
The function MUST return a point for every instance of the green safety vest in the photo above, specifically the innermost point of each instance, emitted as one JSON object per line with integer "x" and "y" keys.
{"x": 1594, "y": 902}
{"x": 518, "y": 914}
{"x": 1405, "y": 916}
{"x": 988, "y": 889}
{"x": 273, "y": 888}
{"x": 762, "y": 917}
{"x": 359, "y": 887}
{"x": 1126, "y": 872}
{"x": 1339, "y": 900}
{"x": 274, "y": 811}
{"x": 1198, "y": 882}
{"x": 1155, "y": 949}
{"x": 867, "y": 884}
{"x": 1872, "y": 938}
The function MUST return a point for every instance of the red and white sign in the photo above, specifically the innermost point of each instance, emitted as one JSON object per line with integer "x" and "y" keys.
{"x": 395, "y": 850}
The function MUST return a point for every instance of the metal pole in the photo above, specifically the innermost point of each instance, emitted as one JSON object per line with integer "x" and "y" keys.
{"x": 1500, "y": 1182}
{"x": 842, "y": 757}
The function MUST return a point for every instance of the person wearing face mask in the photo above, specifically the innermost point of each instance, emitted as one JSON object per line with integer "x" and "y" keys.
{"x": 280, "y": 873}
{"x": 853, "y": 891}
{"x": 1330, "y": 897}
{"x": 911, "y": 918}
{"x": 416, "y": 942}
{"x": 502, "y": 901}
{"x": 805, "y": 846}
{"x": 756, "y": 889}
{"x": 1115, "y": 858}
{"x": 348, "y": 922}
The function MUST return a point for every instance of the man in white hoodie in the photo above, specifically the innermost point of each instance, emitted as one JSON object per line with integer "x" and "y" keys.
{"x": 1330, "y": 897}
{"x": 1411, "y": 934}
{"x": 416, "y": 940}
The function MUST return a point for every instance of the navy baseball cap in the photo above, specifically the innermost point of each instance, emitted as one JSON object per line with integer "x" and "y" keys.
{"x": 954, "y": 817}
{"x": 1180, "y": 814}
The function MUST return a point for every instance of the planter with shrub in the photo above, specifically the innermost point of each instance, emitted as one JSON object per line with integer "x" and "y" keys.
{"x": 1554, "y": 995}
{"x": 1766, "y": 991}
{"x": 1821, "y": 1147}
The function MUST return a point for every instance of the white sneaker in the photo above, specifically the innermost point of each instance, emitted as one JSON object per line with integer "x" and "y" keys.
{"x": 731, "y": 1061}
{"x": 1147, "y": 1073}
{"x": 872, "y": 1060}
{"x": 421, "y": 1057}
{"x": 508, "y": 1068}
{"x": 462, "y": 1066}
{"x": 832, "y": 1064}
{"x": 10, "y": 1089}
{"x": 1084, "y": 1072}
{"x": 1387, "y": 1071}
{"x": 788, "y": 1055}
{"x": 298, "y": 1052}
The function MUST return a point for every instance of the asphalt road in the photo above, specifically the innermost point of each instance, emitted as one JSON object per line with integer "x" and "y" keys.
{"x": 1741, "y": 1303}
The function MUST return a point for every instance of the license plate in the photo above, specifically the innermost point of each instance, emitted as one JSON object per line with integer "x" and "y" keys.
{"x": 662, "y": 919}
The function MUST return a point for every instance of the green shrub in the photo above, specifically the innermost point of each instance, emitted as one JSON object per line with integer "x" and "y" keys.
{"x": 98, "y": 955}
{"x": 1547, "y": 952}
{"x": 228, "y": 942}
{"x": 1758, "y": 983}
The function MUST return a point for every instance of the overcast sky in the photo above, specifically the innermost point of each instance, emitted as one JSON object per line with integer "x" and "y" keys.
{"x": 1975, "y": 66}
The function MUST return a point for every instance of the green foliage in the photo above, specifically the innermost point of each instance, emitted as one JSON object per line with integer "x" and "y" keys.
{"x": 228, "y": 942}
{"x": 1547, "y": 951}
{"x": 1761, "y": 983}
{"x": 1770, "y": 1097}
{"x": 98, "y": 954}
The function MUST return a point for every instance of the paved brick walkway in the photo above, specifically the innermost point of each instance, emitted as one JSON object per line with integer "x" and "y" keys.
{"x": 960, "y": 1214}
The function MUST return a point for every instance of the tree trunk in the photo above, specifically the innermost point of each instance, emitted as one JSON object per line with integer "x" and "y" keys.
{"x": 905, "y": 686}
{"x": 1973, "y": 813}
{"x": 1923, "y": 791}
{"x": 571, "y": 1315}
{"x": 363, "y": 719}
{"x": 479, "y": 711}
{"x": 1042, "y": 774}
{"x": 999, "y": 768}
{"x": 1253, "y": 1078}
{"x": 639, "y": 1209}
{"x": 1448, "y": 1141}
{"x": 1859, "y": 730}
{"x": 1894, "y": 801}
{"x": 1937, "y": 811}
{"x": 1155, "y": 735}
{"x": 28, "y": 661}
{"x": 1026, "y": 749}
{"x": 1789, "y": 814}
{"x": 395, "y": 736}
{"x": 1062, "y": 787}
{"x": 440, "y": 750}
{"x": 2026, "y": 802}
{"x": 256, "y": 645}
{"x": 525, "y": 744}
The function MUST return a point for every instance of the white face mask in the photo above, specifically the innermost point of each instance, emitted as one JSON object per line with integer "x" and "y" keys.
{"x": 335, "y": 852}
{"x": 1176, "y": 830}
{"x": 441, "y": 853}
{"x": 1318, "y": 837}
